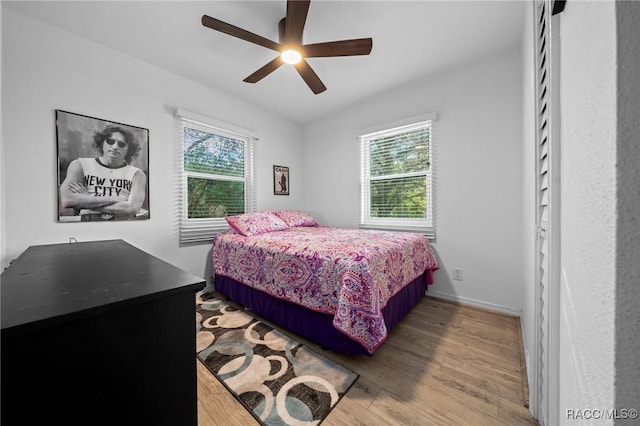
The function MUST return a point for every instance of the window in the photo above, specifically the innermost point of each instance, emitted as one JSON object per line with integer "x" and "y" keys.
{"x": 397, "y": 177}
{"x": 218, "y": 177}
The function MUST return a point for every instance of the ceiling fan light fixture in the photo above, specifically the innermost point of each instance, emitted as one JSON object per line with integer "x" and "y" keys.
{"x": 291, "y": 56}
{"x": 292, "y": 50}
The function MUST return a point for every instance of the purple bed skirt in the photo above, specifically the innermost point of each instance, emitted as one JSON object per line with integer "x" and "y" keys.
{"x": 317, "y": 326}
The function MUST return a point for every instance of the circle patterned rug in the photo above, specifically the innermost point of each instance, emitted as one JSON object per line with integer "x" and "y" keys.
{"x": 277, "y": 379}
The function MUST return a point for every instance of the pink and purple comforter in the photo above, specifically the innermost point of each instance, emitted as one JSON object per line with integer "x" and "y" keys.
{"x": 348, "y": 273}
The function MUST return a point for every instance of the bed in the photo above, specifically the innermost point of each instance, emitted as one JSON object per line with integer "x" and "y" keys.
{"x": 342, "y": 288}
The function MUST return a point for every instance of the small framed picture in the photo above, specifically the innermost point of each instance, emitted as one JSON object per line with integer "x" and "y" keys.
{"x": 280, "y": 180}
{"x": 103, "y": 169}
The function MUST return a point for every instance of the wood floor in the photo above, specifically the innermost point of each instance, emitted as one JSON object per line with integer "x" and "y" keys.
{"x": 444, "y": 364}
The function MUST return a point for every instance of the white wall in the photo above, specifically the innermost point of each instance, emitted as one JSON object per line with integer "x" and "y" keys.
{"x": 588, "y": 109}
{"x": 45, "y": 69}
{"x": 479, "y": 172}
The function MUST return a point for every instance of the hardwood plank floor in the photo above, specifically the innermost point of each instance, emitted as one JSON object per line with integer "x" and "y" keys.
{"x": 444, "y": 364}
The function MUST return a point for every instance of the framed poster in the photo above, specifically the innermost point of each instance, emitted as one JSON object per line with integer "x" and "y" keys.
{"x": 103, "y": 169}
{"x": 280, "y": 180}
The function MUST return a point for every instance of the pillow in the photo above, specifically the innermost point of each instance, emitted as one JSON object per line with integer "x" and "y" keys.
{"x": 295, "y": 218}
{"x": 256, "y": 223}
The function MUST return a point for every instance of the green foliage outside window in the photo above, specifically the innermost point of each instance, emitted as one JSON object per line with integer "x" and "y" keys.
{"x": 398, "y": 169}
{"x": 214, "y": 198}
{"x": 215, "y": 174}
{"x": 398, "y": 198}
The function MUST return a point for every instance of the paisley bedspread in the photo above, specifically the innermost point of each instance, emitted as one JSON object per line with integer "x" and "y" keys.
{"x": 348, "y": 273}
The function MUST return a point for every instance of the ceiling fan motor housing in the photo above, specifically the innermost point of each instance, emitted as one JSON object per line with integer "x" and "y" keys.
{"x": 282, "y": 25}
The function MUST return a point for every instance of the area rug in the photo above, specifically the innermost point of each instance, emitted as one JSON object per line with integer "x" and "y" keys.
{"x": 277, "y": 379}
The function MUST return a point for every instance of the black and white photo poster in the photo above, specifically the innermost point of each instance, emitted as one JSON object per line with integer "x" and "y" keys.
{"x": 103, "y": 169}
{"x": 280, "y": 180}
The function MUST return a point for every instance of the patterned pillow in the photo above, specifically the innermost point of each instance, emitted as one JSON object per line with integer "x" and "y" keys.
{"x": 256, "y": 223}
{"x": 297, "y": 218}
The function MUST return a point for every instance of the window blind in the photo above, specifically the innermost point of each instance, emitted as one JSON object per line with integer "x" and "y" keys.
{"x": 397, "y": 178}
{"x": 217, "y": 176}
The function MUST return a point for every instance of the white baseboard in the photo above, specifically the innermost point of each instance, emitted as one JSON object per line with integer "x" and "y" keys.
{"x": 475, "y": 303}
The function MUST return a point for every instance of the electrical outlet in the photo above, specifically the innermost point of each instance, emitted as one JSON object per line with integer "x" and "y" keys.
{"x": 457, "y": 274}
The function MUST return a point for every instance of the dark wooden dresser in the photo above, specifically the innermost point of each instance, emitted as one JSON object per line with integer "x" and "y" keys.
{"x": 97, "y": 333}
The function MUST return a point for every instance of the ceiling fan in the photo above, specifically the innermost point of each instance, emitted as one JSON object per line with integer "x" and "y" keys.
{"x": 290, "y": 46}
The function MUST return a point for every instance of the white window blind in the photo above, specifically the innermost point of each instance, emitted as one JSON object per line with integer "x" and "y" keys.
{"x": 397, "y": 178}
{"x": 217, "y": 176}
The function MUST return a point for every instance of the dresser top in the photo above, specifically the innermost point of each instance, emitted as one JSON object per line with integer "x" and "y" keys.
{"x": 58, "y": 282}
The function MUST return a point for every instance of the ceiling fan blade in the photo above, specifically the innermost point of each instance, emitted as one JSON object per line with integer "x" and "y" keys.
{"x": 264, "y": 71}
{"x": 232, "y": 30}
{"x": 310, "y": 77}
{"x": 358, "y": 46}
{"x": 296, "y": 17}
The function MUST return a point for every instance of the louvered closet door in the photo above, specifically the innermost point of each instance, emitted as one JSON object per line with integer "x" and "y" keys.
{"x": 545, "y": 403}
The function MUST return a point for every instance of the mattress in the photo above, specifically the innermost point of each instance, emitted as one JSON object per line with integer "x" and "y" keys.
{"x": 347, "y": 274}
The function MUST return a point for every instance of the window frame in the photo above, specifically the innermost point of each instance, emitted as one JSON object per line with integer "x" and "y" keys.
{"x": 424, "y": 225}
{"x": 203, "y": 230}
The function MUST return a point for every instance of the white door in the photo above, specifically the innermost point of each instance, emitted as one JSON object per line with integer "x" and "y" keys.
{"x": 544, "y": 395}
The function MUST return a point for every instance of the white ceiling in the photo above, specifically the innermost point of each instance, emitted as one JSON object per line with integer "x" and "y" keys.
{"x": 411, "y": 39}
